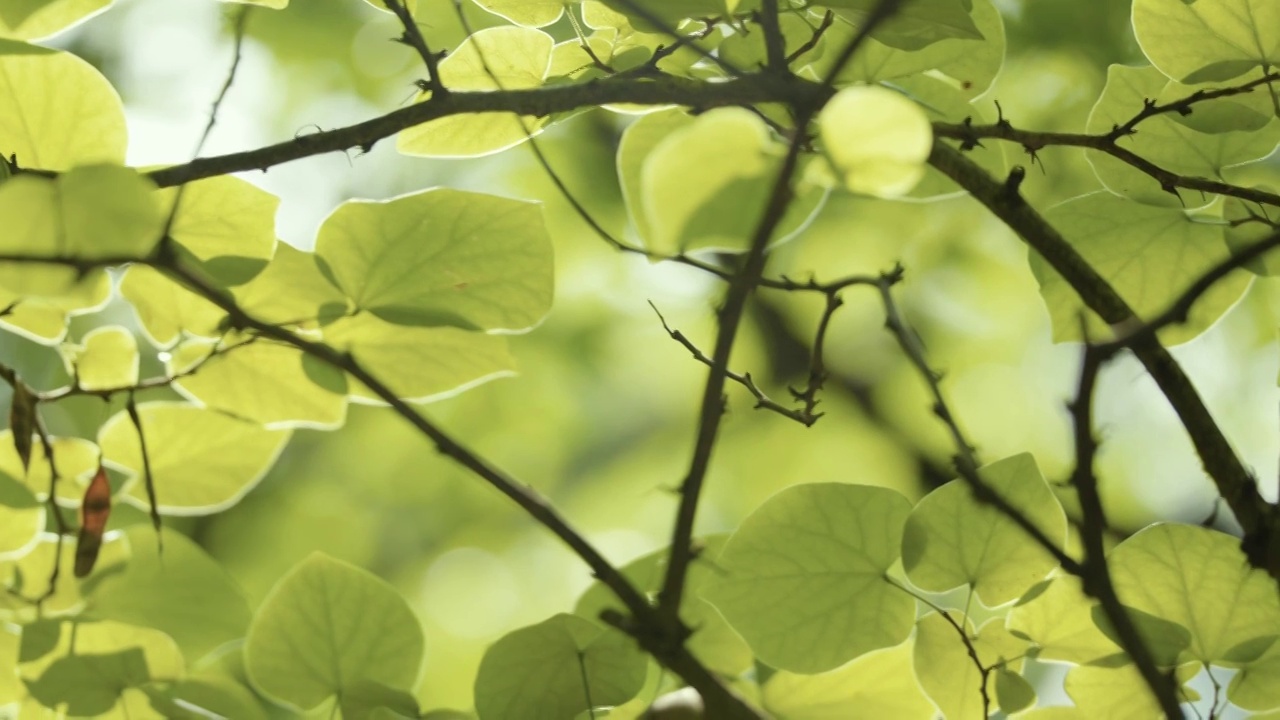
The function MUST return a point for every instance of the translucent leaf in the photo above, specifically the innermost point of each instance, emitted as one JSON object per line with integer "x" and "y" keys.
{"x": 442, "y": 257}
{"x": 328, "y": 626}
{"x": 876, "y": 139}
{"x": 11, "y": 689}
{"x": 375, "y": 701}
{"x": 1249, "y": 223}
{"x": 273, "y": 4}
{"x": 77, "y": 460}
{"x": 1166, "y": 641}
{"x": 291, "y": 291}
{"x": 213, "y": 694}
{"x": 1111, "y": 692}
{"x": 1248, "y": 111}
{"x": 638, "y": 141}
{"x": 1168, "y": 143}
{"x": 1199, "y": 579}
{"x": 1013, "y": 692}
{"x": 27, "y": 578}
{"x": 947, "y": 672}
{"x": 953, "y": 539}
{"x": 706, "y": 185}
{"x": 107, "y": 358}
{"x": 202, "y": 461}
{"x": 108, "y": 658}
{"x": 183, "y": 593}
{"x": 165, "y": 309}
{"x": 1208, "y": 40}
{"x": 37, "y": 19}
{"x": 22, "y": 518}
{"x": 915, "y": 24}
{"x": 44, "y": 320}
{"x": 669, "y": 13}
{"x": 56, "y": 110}
{"x": 970, "y": 64}
{"x": 417, "y": 363}
{"x": 1257, "y": 684}
{"x": 1148, "y": 254}
{"x": 748, "y": 50}
{"x": 880, "y": 684}
{"x": 549, "y": 670}
{"x": 501, "y": 58}
{"x": 91, "y": 212}
{"x": 1059, "y": 622}
{"x": 713, "y": 642}
{"x": 529, "y": 13}
{"x": 256, "y": 379}
{"x": 806, "y": 579}
{"x": 227, "y": 224}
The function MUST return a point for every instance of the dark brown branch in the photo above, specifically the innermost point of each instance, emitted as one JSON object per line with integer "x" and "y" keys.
{"x": 1035, "y": 141}
{"x": 775, "y": 47}
{"x": 827, "y": 20}
{"x": 1095, "y": 576}
{"x": 539, "y": 102}
{"x": 413, "y": 38}
{"x": 1236, "y": 485}
{"x": 1186, "y": 105}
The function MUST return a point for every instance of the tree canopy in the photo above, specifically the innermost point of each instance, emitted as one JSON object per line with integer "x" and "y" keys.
{"x": 568, "y": 359}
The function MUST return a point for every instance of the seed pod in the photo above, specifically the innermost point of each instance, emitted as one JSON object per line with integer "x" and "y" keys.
{"x": 94, "y": 512}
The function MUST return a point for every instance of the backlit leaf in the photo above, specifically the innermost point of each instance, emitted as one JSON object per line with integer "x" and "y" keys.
{"x": 328, "y": 626}
{"x": 1208, "y": 40}
{"x": 202, "y": 461}
{"x": 876, "y": 140}
{"x": 549, "y": 670}
{"x": 806, "y": 580}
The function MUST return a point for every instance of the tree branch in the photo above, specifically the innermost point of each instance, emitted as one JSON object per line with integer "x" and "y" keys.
{"x": 1236, "y": 485}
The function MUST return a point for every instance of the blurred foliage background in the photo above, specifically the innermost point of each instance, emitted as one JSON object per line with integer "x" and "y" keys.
{"x": 601, "y": 417}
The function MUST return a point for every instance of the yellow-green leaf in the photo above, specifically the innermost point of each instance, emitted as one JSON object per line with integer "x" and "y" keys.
{"x": 876, "y": 140}
{"x": 106, "y": 358}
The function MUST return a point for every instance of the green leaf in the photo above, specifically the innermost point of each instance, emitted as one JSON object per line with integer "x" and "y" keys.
{"x": 273, "y": 4}
{"x": 1059, "y": 622}
{"x": 952, "y": 538}
{"x": 637, "y": 143}
{"x": 184, "y": 593}
{"x": 915, "y": 24}
{"x": 876, "y": 140}
{"x": 417, "y": 363}
{"x": 44, "y": 320}
{"x": 165, "y": 309}
{"x": 89, "y": 666}
{"x": 56, "y": 110}
{"x": 1199, "y": 579}
{"x": 539, "y": 671}
{"x": 806, "y": 576}
{"x": 77, "y": 460}
{"x": 1208, "y": 40}
{"x": 212, "y": 695}
{"x": 943, "y": 103}
{"x": 713, "y": 642}
{"x": 664, "y": 15}
{"x": 880, "y": 684}
{"x": 502, "y": 58}
{"x": 1110, "y": 692}
{"x": 108, "y": 358}
{"x": 291, "y": 291}
{"x": 970, "y": 64}
{"x": 529, "y": 13}
{"x": 328, "y": 627}
{"x": 1256, "y": 686}
{"x": 1013, "y": 692}
{"x": 89, "y": 685}
{"x": 225, "y": 223}
{"x": 442, "y": 257}
{"x": 946, "y": 670}
{"x": 1165, "y": 640}
{"x": 369, "y": 699}
{"x": 22, "y": 518}
{"x": 92, "y": 212}
{"x": 29, "y": 575}
{"x": 38, "y": 19}
{"x": 1249, "y": 111}
{"x": 706, "y": 185}
{"x": 1148, "y": 254}
{"x": 1249, "y": 223}
{"x": 1166, "y": 142}
{"x": 202, "y": 461}
{"x": 255, "y": 379}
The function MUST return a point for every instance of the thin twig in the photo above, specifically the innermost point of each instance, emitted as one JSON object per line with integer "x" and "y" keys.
{"x": 744, "y": 379}
{"x": 148, "y": 478}
{"x": 413, "y": 38}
